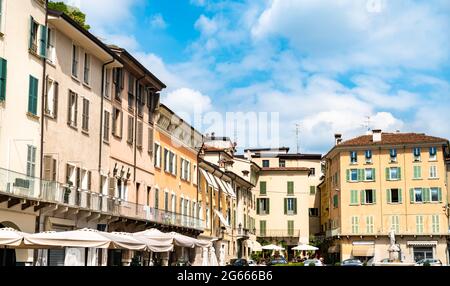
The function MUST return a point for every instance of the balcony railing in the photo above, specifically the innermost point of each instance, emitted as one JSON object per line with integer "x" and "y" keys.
{"x": 337, "y": 232}
{"x": 22, "y": 186}
{"x": 278, "y": 232}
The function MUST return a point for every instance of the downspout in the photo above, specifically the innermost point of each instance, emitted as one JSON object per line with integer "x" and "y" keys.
{"x": 100, "y": 145}
{"x": 135, "y": 127}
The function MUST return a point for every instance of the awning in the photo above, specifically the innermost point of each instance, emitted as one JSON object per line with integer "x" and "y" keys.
{"x": 230, "y": 189}
{"x": 213, "y": 181}
{"x": 366, "y": 250}
{"x": 256, "y": 246}
{"x": 221, "y": 185}
{"x": 207, "y": 177}
{"x": 422, "y": 243}
{"x": 333, "y": 249}
{"x": 221, "y": 218}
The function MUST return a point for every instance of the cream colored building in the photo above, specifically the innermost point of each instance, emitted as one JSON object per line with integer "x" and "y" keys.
{"x": 382, "y": 182}
{"x": 286, "y": 196}
{"x": 22, "y": 52}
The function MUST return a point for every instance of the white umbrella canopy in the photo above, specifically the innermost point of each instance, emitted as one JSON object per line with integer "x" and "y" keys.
{"x": 155, "y": 234}
{"x": 212, "y": 257}
{"x": 152, "y": 244}
{"x": 272, "y": 247}
{"x": 11, "y": 237}
{"x": 187, "y": 241}
{"x": 306, "y": 247}
{"x": 205, "y": 257}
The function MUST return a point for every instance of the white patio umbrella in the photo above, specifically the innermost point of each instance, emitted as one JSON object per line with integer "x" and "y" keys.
{"x": 11, "y": 237}
{"x": 152, "y": 244}
{"x": 306, "y": 247}
{"x": 272, "y": 247}
{"x": 212, "y": 257}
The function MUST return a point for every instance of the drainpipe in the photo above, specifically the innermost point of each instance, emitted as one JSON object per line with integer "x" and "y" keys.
{"x": 135, "y": 127}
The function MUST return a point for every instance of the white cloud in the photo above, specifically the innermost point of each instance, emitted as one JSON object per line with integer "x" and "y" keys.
{"x": 157, "y": 22}
{"x": 187, "y": 103}
{"x": 127, "y": 42}
{"x": 206, "y": 25}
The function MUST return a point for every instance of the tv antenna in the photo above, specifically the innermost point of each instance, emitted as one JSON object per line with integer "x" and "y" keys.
{"x": 367, "y": 124}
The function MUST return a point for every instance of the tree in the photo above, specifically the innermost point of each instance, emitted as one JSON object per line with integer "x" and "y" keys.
{"x": 72, "y": 12}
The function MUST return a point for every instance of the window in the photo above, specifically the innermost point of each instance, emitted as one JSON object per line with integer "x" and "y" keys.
{"x": 194, "y": 173}
{"x": 282, "y": 163}
{"x": 314, "y": 212}
{"x": 417, "y": 195}
{"x": 51, "y": 51}
{"x": 174, "y": 204}
{"x": 290, "y": 188}
{"x": 369, "y": 174}
{"x": 312, "y": 172}
{"x": 290, "y": 206}
{"x": 262, "y": 188}
{"x": 118, "y": 79}
{"x": 117, "y": 123}
{"x": 33, "y": 95}
{"x": 368, "y": 197}
{"x": 354, "y": 197}
{"x": 34, "y": 30}
{"x": 416, "y": 153}
{"x": 73, "y": 109}
{"x": 173, "y": 164}
{"x": 422, "y": 253}
{"x": 139, "y": 135}
{"x": 368, "y": 155}
{"x": 131, "y": 91}
{"x": 181, "y": 205}
{"x": 156, "y": 199}
{"x": 50, "y": 168}
{"x": 185, "y": 170}
{"x": 107, "y": 83}
{"x": 51, "y": 98}
{"x": 354, "y": 175}
{"x": 435, "y": 223}
{"x": 435, "y": 194}
{"x": 433, "y": 152}
{"x": 150, "y": 141}
{"x": 312, "y": 190}
{"x": 262, "y": 228}
{"x": 393, "y": 154}
{"x": 393, "y": 173}
{"x": 265, "y": 163}
{"x": 166, "y": 160}
{"x": 290, "y": 225}
{"x": 355, "y": 224}
{"x": 335, "y": 201}
{"x": 3, "y": 69}
{"x": 75, "y": 61}
{"x": 353, "y": 157}
{"x": 31, "y": 160}
{"x": 369, "y": 224}
{"x": 419, "y": 224}
{"x": 130, "y": 129}
{"x": 140, "y": 98}
{"x": 85, "y": 115}
{"x": 417, "y": 172}
{"x": 166, "y": 201}
{"x": 433, "y": 172}
{"x": 87, "y": 68}
{"x": 394, "y": 196}
{"x": 263, "y": 206}
{"x": 106, "y": 126}
{"x": 157, "y": 155}
{"x": 395, "y": 223}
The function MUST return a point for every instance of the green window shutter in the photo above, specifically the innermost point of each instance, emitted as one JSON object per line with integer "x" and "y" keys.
{"x": 312, "y": 190}
{"x": 419, "y": 171}
{"x": 415, "y": 172}
{"x": 348, "y": 175}
{"x": 285, "y": 206}
{"x": 43, "y": 50}
{"x": 440, "y": 195}
{"x": 426, "y": 194}
{"x": 295, "y": 205}
{"x": 268, "y": 206}
{"x": 411, "y": 196}
{"x": 388, "y": 195}
{"x": 258, "y": 201}
{"x": 352, "y": 197}
{"x": 374, "y": 174}
{"x": 400, "y": 195}
{"x": 374, "y": 193}
{"x": 363, "y": 197}
{"x": 399, "y": 173}
{"x": 32, "y": 95}
{"x": 262, "y": 227}
{"x": 387, "y": 174}
{"x": 262, "y": 188}
{"x": 3, "y": 65}
{"x": 30, "y": 42}
{"x": 290, "y": 188}
{"x": 360, "y": 175}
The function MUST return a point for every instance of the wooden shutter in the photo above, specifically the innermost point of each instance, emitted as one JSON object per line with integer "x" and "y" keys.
{"x": 400, "y": 195}
{"x": 89, "y": 177}
{"x": 285, "y": 206}
{"x": 54, "y": 169}
{"x": 440, "y": 195}
{"x": 348, "y": 175}
{"x": 48, "y": 161}
{"x": 374, "y": 196}
{"x": 399, "y": 170}
{"x": 258, "y": 203}
{"x": 55, "y": 99}
{"x": 387, "y": 174}
{"x": 112, "y": 187}
{"x": 360, "y": 175}
{"x": 312, "y": 190}
{"x": 290, "y": 188}
{"x": 411, "y": 196}
{"x": 388, "y": 196}
{"x": 295, "y": 206}
{"x": 374, "y": 174}
{"x": 262, "y": 188}
{"x": 363, "y": 197}
{"x": 30, "y": 43}
{"x": 32, "y": 95}
{"x": 425, "y": 194}
{"x": 3, "y": 76}
{"x": 268, "y": 206}
{"x": 76, "y": 110}
{"x": 43, "y": 50}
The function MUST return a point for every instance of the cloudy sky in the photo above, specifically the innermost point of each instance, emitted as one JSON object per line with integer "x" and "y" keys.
{"x": 325, "y": 65}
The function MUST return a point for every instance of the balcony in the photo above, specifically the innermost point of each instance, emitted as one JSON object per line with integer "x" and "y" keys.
{"x": 278, "y": 233}
{"x": 333, "y": 232}
{"x": 23, "y": 187}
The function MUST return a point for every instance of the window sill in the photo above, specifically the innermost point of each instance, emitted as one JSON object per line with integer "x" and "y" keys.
{"x": 433, "y": 178}
{"x": 86, "y": 85}
{"x": 117, "y": 136}
{"x": 85, "y": 132}
{"x": 158, "y": 168}
{"x": 32, "y": 116}
{"x": 368, "y": 163}
{"x": 72, "y": 126}
{"x": 51, "y": 63}
{"x": 394, "y": 203}
{"x": 105, "y": 142}
{"x": 74, "y": 78}
{"x": 368, "y": 181}
{"x": 417, "y": 179}
{"x": 34, "y": 54}
{"x": 432, "y": 160}
{"x": 353, "y": 164}
{"x": 49, "y": 116}
{"x": 130, "y": 142}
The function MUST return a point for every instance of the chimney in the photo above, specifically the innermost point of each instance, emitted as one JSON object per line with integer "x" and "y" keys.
{"x": 337, "y": 139}
{"x": 376, "y": 135}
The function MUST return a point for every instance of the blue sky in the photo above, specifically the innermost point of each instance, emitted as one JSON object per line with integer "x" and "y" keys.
{"x": 325, "y": 65}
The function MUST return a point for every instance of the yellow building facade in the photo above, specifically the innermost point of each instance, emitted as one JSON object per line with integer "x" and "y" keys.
{"x": 386, "y": 182}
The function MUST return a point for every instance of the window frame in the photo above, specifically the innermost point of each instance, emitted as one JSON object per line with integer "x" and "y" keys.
{"x": 75, "y": 64}
{"x": 87, "y": 69}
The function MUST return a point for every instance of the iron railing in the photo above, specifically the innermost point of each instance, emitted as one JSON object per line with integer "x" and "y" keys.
{"x": 26, "y": 187}
{"x": 278, "y": 232}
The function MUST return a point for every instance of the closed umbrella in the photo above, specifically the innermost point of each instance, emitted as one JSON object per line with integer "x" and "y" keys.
{"x": 212, "y": 257}
{"x": 205, "y": 257}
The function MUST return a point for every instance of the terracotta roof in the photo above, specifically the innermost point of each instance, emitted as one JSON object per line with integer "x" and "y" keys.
{"x": 285, "y": 169}
{"x": 393, "y": 139}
